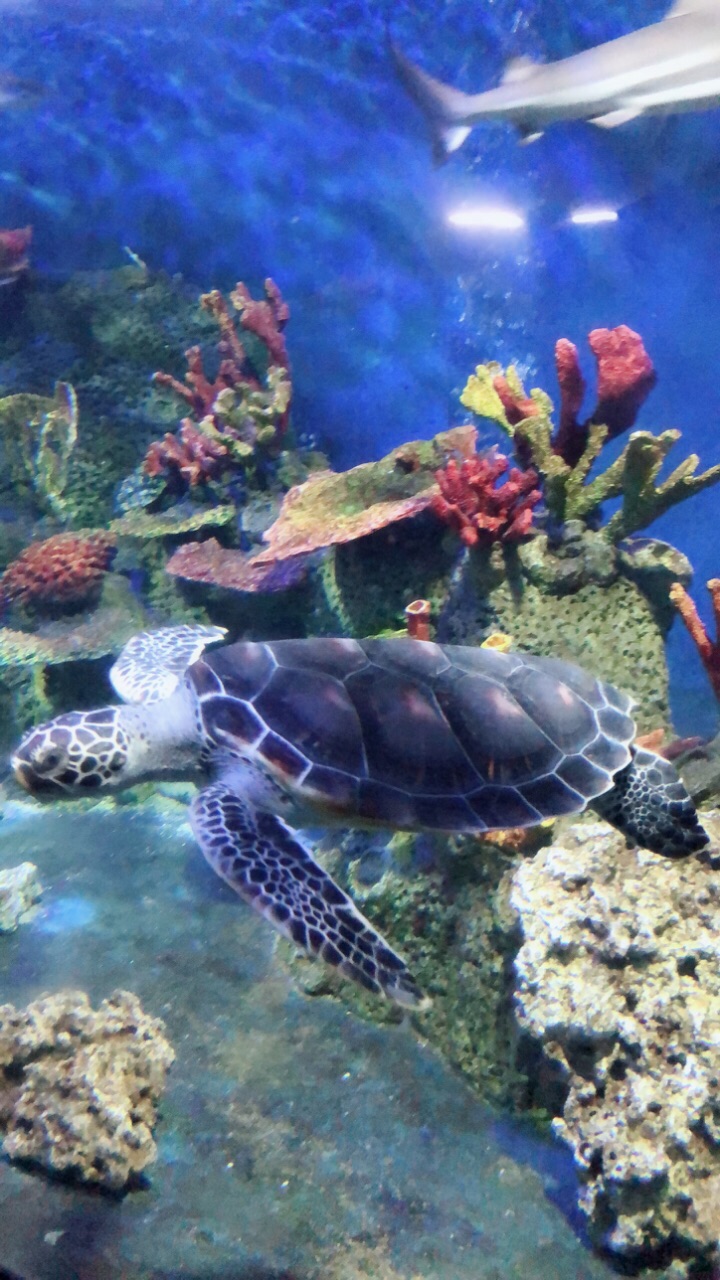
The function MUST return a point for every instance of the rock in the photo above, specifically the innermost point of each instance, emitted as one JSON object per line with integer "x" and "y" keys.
{"x": 79, "y": 1087}
{"x": 19, "y": 891}
{"x": 618, "y": 981}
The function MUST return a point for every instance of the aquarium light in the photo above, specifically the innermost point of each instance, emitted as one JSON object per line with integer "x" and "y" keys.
{"x": 591, "y": 217}
{"x": 485, "y": 217}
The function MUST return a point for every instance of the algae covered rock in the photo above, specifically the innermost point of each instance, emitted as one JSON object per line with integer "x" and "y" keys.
{"x": 618, "y": 983}
{"x": 79, "y": 1087}
{"x": 444, "y": 903}
{"x": 19, "y": 891}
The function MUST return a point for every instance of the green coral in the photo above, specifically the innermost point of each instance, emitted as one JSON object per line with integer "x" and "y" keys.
{"x": 39, "y": 435}
{"x": 569, "y": 493}
{"x": 172, "y": 523}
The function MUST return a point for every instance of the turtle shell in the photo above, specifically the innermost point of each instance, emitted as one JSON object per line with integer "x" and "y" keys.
{"x": 417, "y": 735}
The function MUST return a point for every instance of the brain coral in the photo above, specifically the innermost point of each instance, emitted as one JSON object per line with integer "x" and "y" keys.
{"x": 66, "y": 569}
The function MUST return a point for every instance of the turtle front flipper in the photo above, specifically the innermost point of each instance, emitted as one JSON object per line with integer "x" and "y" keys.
{"x": 153, "y": 663}
{"x": 264, "y": 860}
{"x": 649, "y": 804}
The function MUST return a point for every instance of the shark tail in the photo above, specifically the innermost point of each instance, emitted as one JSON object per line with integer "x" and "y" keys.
{"x": 445, "y": 109}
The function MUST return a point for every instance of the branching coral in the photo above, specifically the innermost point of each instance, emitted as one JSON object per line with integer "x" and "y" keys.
{"x": 708, "y": 649}
{"x": 244, "y": 407}
{"x": 564, "y": 456}
{"x": 479, "y": 509}
{"x": 66, "y": 569}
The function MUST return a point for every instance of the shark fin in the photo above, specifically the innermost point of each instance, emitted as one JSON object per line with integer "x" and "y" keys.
{"x": 528, "y": 133}
{"x": 690, "y": 6}
{"x": 444, "y": 108}
{"x": 519, "y": 69}
{"x": 612, "y": 119}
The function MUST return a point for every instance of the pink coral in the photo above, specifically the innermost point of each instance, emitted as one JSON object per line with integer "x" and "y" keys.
{"x": 66, "y": 569}
{"x": 479, "y": 509}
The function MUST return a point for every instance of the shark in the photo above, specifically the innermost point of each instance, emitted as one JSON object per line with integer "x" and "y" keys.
{"x": 670, "y": 66}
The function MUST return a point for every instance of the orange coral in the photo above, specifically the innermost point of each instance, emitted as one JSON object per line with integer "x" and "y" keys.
{"x": 66, "y": 569}
{"x": 708, "y": 649}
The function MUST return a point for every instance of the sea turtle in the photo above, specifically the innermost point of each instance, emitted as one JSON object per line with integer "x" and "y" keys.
{"x": 399, "y": 732}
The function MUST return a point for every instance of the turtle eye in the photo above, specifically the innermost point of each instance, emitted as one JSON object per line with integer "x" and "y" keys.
{"x": 47, "y": 759}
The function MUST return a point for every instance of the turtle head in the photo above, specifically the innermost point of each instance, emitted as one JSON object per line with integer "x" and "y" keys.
{"x": 75, "y": 753}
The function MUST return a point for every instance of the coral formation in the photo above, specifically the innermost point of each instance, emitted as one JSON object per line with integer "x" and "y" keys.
{"x": 564, "y": 456}
{"x": 64, "y": 570}
{"x": 337, "y": 507}
{"x": 478, "y": 508}
{"x": 244, "y": 408}
{"x": 19, "y": 891}
{"x": 14, "y": 254}
{"x": 234, "y": 570}
{"x": 79, "y": 1088}
{"x": 618, "y": 983}
{"x": 417, "y": 619}
{"x": 38, "y": 435}
{"x": 708, "y": 649}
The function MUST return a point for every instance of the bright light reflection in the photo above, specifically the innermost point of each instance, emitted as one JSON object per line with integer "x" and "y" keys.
{"x": 486, "y": 218}
{"x": 592, "y": 217}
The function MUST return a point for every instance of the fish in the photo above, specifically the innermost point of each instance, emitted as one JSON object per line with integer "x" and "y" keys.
{"x": 670, "y": 66}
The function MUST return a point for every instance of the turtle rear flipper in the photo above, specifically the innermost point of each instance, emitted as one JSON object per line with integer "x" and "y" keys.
{"x": 264, "y": 861}
{"x": 153, "y": 663}
{"x": 649, "y": 804}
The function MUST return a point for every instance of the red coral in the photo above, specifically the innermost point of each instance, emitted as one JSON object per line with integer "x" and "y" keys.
{"x": 625, "y": 379}
{"x": 14, "y": 259}
{"x": 572, "y": 388}
{"x": 190, "y": 454}
{"x": 265, "y": 319}
{"x": 479, "y": 509}
{"x": 66, "y": 569}
{"x": 516, "y": 407}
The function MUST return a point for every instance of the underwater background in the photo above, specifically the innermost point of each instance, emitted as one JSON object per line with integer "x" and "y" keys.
{"x": 171, "y": 150}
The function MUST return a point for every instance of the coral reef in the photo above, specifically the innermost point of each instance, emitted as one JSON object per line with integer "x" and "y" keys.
{"x": 337, "y": 507}
{"x": 618, "y": 983}
{"x": 564, "y": 456}
{"x": 79, "y": 1088}
{"x": 708, "y": 649}
{"x": 14, "y": 254}
{"x": 244, "y": 408}
{"x": 37, "y": 436}
{"x": 20, "y": 889}
{"x": 64, "y": 570}
{"x": 478, "y": 508}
